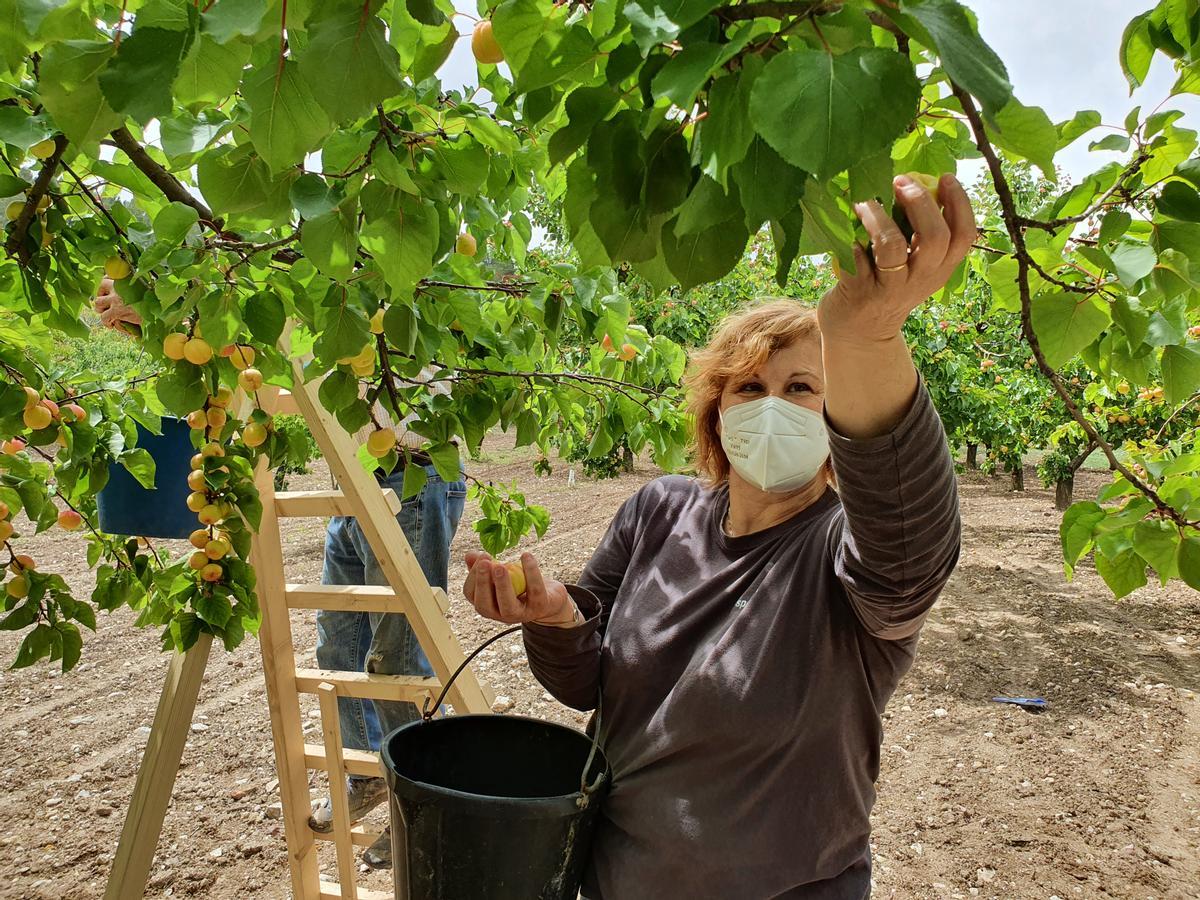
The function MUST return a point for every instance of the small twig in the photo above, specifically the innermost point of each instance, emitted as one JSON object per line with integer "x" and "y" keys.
{"x": 1118, "y": 185}
{"x": 517, "y": 287}
{"x": 773, "y": 9}
{"x": 96, "y": 201}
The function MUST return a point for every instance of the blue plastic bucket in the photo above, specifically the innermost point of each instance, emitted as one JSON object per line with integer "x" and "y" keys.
{"x": 125, "y": 507}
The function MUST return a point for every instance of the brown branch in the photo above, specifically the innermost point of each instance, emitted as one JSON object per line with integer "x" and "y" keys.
{"x": 773, "y": 9}
{"x": 517, "y": 288}
{"x": 171, "y": 186}
{"x": 1012, "y": 222}
{"x": 1119, "y": 184}
{"x": 15, "y": 245}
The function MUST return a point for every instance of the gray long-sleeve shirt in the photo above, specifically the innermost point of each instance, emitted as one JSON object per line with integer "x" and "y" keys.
{"x": 744, "y": 677}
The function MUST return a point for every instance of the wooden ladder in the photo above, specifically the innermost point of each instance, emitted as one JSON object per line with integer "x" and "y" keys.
{"x": 407, "y": 592}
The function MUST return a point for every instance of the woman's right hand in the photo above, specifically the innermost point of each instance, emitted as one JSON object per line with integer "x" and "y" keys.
{"x": 489, "y": 588}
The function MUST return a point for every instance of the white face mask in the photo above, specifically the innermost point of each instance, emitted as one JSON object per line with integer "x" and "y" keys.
{"x": 774, "y": 444}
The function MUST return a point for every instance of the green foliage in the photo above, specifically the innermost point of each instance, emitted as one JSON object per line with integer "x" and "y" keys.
{"x": 301, "y": 449}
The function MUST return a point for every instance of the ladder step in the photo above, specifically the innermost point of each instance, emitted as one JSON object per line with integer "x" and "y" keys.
{"x": 345, "y": 597}
{"x": 359, "y": 836}
{"x": 358, "y": 762}
{"x": 321, "y": 504}
{"x": 352, "y": 597}
{"x": 412, "y": 688}
{"x": 331, "y": 890}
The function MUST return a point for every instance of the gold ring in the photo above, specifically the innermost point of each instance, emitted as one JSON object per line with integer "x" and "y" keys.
{"x": 902, "y": 265}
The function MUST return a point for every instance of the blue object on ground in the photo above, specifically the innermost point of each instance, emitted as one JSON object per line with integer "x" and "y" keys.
{"x": 1035, "y": 703}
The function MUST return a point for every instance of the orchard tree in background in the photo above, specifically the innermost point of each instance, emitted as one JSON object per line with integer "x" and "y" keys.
{"x": 292, "y": 169}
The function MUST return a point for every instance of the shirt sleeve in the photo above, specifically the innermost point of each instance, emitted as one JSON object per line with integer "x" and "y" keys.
{"x": 566, "y": 661}
{"x": 895, "y": 540}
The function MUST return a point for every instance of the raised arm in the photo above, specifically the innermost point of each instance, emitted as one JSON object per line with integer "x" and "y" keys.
{"x": 870, "y": 380}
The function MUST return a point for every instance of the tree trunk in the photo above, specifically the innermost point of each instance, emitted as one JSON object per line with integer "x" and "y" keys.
{"x": 972, "y": 456}
{"x": 627, "y": 460}
{"x": 1018, "y": 478}
{"x": 1063, "y": 493}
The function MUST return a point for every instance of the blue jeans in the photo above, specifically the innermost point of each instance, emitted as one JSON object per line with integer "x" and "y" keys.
{"x": 384, "y": 643}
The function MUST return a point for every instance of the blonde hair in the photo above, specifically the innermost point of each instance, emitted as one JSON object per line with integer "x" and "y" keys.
{"x": 741, "y": 344}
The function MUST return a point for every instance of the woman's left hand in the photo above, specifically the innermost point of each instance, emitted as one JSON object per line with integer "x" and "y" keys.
{"x": 872, "y": 304}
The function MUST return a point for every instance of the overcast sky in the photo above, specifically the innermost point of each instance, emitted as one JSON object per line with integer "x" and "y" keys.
{"x": 1061, "y": 56}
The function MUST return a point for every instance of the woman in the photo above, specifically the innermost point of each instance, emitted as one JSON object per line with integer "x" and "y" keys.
{"x": 747, "y": 630}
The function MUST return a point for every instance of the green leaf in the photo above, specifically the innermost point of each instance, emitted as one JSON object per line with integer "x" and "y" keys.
{"x": 1157, "y": 542}
{"x": 233, "y": 18}
{"x": 70, "y": 89}
{"x": 181, "y": 390}
{"x": 1189, "y": 561}
{"x": 1078, "y": 525}
{"x": 769, "y": 188}
{"x": 211, "y": 71}
{"x": 1137, "y": 50}
{"x": 21, "y": 617}
{"x": 706, "y": 206}
{"x": 1124, "y": 573}
{"x": 706, "y": 256}
{"x": 1065, "y": 326}
{"x": 22, "y": 130}
{"x": 851, "y": 105}
{"x": 557, "y": 56}
{"x": 786, "y": 235}
{"x": 286, "y": 122}
{"x": 311, "y": 196}
{"x": 138, "y": 80}
{"x": 464, "y": 168}
{"x": 656, "y": 21}
{"x": 349, "y": 65}
{"x": 1134, "y": 261}
{"x": 415, "y": 478}
{"x": 1181, "y": 372}
{"x": 174, "y": 221}
{"x": 1027, "y": 131}
{"x": 403, "y": 242}
{"x": 140, "y": 464}
{"x": 337, "y": 390}
{"x": 238, "y": 181}
{"x": 446, "y": 461}
{"x": 517, "y": 25}
{"x": 586, "y": 107}
{"x": 1179, "y": 201}
{"x": 1114, "y": 224}
{"x": 213, "y": 608}
{"x": 826, "y": 226}
{"x": 72, "y": 644}
{"x": 1077, "y": 126}
{"x": 686, "y": 73}
{"x": 968, "y": 61}
{"x": 330, "y": 241}
{"x": 184, "y": 134}
{"x": 724, "y": 136}
{"x": 264, "y": 315}
{"x": 342, "y": 330}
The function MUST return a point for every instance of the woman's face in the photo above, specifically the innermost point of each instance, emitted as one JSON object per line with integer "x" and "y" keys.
{"x": 794, "y": 373}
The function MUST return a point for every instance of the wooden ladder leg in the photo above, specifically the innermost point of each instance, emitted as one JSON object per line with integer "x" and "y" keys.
{"x": 331, "y": 731}
{"x": 156, "y": 776}
{"x": 279, "y": 667}
{"x": 392, "y": 550}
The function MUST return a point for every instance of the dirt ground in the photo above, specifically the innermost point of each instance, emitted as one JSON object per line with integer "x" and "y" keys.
{"x": 1096, "y": 797}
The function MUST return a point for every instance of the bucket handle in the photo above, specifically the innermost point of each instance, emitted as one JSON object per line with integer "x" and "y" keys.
{"x": 586, "y": 790}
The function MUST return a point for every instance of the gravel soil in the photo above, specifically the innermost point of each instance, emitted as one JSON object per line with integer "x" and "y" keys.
{"x": 1098, "y": 796}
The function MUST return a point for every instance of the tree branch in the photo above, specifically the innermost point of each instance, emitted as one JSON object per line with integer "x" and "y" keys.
{"x": 1012, "y": 222}
{"x": 773, "y": 9}
{"x": 15, "y": 245}
{"x": 1055, "y": 224}
{"x": 171, "y": 186}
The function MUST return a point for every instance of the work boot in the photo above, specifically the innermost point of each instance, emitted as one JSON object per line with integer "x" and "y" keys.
{"x": 363, "y": 795}
{"x": 379, "y": 854}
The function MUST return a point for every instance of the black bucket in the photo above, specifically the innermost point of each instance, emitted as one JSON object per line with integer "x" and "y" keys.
{"x": 123, "y": 506}
{"x": 487, "y": 807}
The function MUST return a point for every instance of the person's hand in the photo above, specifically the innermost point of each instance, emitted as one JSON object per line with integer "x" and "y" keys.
{"x": 872, "y": 304}
{"x": 115, "y": 312}
{"x": 489, "y": 588}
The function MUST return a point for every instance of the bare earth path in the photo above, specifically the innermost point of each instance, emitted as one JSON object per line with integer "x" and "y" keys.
{"x": 1098, "y": 797}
